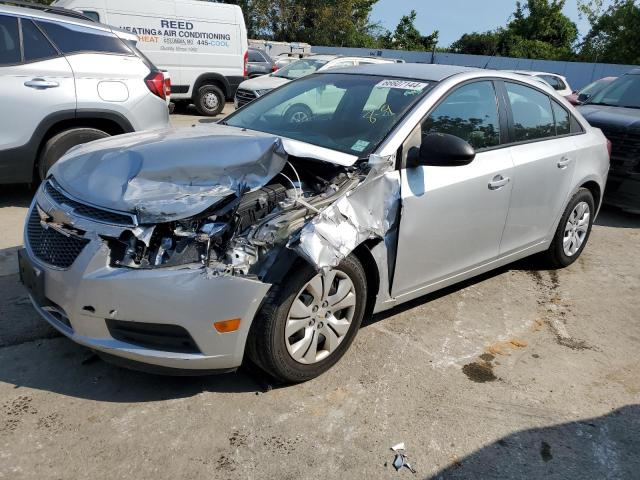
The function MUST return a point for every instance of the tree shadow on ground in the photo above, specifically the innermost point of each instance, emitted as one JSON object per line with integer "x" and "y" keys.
{"x": 606, "y": 447}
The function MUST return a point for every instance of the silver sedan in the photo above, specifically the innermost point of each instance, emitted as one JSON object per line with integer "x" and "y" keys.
{"x": 270, "y": 236}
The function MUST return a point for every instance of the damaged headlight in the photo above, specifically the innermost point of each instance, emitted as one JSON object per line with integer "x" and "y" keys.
{"x": 171, "y": 244}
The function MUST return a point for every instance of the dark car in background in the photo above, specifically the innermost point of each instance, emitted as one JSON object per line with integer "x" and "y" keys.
{"x": 616, "y": 111}
{"x": 260, "y": 63}
{"x": 581, "y": 96}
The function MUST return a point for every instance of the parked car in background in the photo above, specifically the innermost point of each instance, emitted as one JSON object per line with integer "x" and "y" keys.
{"x": 557, "y": 82}
{"x": 260, "y": 63}
{"x": 283, "y": 61}
{"x": 581, "y": 96}
{"x": 256, "y": 87}
{"x": 65, "y": 81}
{"x": 203, "y": 45}
{"x": 616, "y": 111}
{"x": 416, "y": 177}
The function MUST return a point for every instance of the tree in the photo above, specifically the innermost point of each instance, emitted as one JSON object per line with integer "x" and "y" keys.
{"x": 407, "y": 37}
{"x": 486, "y": 43}
{"x": 615, "y": 32}
{"x": 538, "y": 29}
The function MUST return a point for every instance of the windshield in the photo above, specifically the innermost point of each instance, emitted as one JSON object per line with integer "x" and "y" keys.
{"x": 594, "y": 87}
{"x": 623, "y": 92}
{"x": 348, "y": 113}
{"x": 299, "y": 69}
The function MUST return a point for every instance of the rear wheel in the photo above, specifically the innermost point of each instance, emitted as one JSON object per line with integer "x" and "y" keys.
{"x": 573, "y": 231}
{"x": 307, "y": 324}
{"x": 210, "y": 100}
{"x": 61, "y": 143}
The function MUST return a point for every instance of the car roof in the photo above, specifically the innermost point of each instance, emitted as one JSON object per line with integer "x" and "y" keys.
{"x": 39, "y": 14}
{"x": 416, "y": 71}
{"x": 534, "y": 73}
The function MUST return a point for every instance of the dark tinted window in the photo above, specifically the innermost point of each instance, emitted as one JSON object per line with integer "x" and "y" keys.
{"x": 9, "y": 41}
{"x": 532, "y": 116}
{"x": 36, "y": 45}
{"x": 563, "y": 122}
{"x": 255, "y": 57}
{"x": 553, "y": 81}
{"x": 75, "y": 38}
{"x": 471, "y": 113}
{"x": 92, "y": 15}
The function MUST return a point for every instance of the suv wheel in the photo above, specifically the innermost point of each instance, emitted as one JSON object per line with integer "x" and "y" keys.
{"x": 210, "y": 100}
{"x": 307, "y": 323}
{"x": 61, "y": 143}
{"x": 573, "y": 231}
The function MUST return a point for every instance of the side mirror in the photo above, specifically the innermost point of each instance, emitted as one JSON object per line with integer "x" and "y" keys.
{"x": 583, "y": 97}
{"x": 441, "y": 150}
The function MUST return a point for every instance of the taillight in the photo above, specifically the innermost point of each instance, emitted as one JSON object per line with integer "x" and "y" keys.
{"x": 167, "y": 87}
{"x": 274, "y": 68}
{"x": 156, "y": 83}
{"x": 609, "y": 147}
{"x": 246, "y": 64}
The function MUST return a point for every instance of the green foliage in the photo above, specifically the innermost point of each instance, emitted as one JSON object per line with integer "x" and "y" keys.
{"x": 615, "y": 33}
{"x": 538, "y": 29}
{"x": 407, "y": 37}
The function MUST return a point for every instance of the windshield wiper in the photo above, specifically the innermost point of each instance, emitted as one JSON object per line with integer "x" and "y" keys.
{"x": 603, "y": 104}
{"x": 630, "y": 106}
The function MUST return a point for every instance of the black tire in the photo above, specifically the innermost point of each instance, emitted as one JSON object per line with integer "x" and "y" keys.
{"x": 204, "y": 97}
{"x": 61, "y": 143}
{"x": 298, "y": 113}
{"x": 266, "y": 344}
{"x": 555, "y": 256}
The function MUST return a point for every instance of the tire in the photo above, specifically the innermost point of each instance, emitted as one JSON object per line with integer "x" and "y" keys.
{"x": 298, "y": 113}
{"x": 268, "y": 346}
{"x": 557, "y": 256}
{"x": 61, "y": 143}
{"x": 210, "y": 100}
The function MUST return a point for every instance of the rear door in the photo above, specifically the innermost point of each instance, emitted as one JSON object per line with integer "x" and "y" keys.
{"x": 36, "y": 82}
{"x": 453, "y": 217}
{"x": 544, "y": 155}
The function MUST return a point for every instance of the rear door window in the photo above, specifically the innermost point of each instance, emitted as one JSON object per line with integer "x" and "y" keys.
{"x": 72, "y": 38}
{"x": 532, "y": 115}
{"x": 470, "y": 113}
{"x": 9, "y": 41}
{"x": 255, "y": 57}
{"x": 36, "y": 45}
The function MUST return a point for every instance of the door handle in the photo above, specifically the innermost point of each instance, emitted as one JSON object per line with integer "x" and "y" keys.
{"x": 41, "y": 83}
{"x": 498, "y": 182}
{"x": 564, "y": 162}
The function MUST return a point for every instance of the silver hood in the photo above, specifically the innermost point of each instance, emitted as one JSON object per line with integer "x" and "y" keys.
{"x": 263, "y": 82}
{"x": 170, "y": 174}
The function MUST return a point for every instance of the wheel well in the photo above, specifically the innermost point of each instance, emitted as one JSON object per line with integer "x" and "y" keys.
{"x": 594, "y": 188}
{"x": 363, "y": 254}
{"x": 106, "y": 125}
{"x": 210, "y": 80}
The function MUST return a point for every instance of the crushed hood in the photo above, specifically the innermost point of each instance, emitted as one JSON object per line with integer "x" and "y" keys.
{"x": 170, "y": 174}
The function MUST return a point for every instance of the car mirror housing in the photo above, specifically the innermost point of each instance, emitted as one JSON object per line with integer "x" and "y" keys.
{"x": 441, "y": 150}
{"x": 583, "y": 97}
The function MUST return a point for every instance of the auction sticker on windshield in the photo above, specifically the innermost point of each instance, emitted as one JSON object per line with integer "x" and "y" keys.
{"x": 402, "y": 85}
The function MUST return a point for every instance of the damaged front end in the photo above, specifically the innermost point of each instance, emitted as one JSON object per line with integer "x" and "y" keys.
{"x": 232, "y": 216}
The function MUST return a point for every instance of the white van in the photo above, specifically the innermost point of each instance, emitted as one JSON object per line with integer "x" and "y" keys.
{"x": 203, "y": 45}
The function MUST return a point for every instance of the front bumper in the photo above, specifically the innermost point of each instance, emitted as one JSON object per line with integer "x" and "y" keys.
{"x": 80, "y": 301}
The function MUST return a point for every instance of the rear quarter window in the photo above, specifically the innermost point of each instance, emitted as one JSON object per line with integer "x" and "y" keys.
{"x": 9, "y": 41}
{"x": 75, "y": 39}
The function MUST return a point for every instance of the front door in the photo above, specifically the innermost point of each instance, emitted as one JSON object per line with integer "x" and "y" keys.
{"x": 453, "y": 217}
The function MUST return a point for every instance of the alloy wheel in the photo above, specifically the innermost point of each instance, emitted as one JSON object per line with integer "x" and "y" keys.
{"x": 320, "y": 317}
{"x": 575, "y": 231}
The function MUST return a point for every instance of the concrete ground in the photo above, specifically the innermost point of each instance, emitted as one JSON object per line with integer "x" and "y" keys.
{"x": 522, "y": 374}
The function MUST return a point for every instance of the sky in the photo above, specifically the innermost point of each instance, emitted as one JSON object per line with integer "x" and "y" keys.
{"x": 455, "y": 17}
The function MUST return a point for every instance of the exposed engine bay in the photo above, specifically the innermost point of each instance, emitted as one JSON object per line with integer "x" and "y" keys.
{"x": 234, "y": 235}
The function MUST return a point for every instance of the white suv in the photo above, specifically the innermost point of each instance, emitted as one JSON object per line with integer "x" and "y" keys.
{"x": 65, "y": 81}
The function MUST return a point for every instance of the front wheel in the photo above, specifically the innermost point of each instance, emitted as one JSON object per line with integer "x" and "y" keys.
{"x": 307, "y": 324}
{"x": 573, "y": 231}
